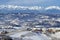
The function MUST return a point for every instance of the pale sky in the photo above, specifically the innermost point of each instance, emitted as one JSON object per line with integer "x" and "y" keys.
{"x": 31, "y": 2}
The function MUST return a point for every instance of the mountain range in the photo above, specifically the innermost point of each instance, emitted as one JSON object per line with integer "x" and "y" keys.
{"x": 28, "y": 9}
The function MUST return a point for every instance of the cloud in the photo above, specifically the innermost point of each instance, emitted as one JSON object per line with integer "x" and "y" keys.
{"x": 52, "y": 7}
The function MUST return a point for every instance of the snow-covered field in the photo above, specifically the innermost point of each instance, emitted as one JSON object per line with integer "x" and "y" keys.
{"x": 56, "y": 36}
{"x": 27, "y": 35}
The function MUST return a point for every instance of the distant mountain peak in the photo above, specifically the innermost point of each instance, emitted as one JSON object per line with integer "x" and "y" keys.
{"x": 52, "y": 7}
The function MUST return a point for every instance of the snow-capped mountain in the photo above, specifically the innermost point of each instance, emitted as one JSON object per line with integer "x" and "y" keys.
{"x": 52, "y": 9}
{"x": 15, "y": 9}
{"x": 28, "y": 9}
{"x": 24, "y": 9}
